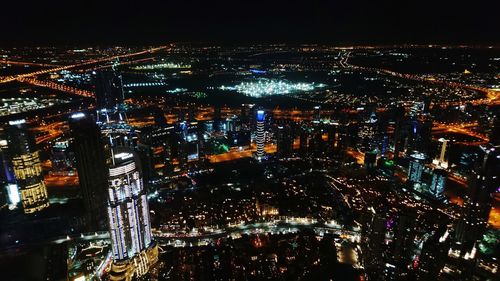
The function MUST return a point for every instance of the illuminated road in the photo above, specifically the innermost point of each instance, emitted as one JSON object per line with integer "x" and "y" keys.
{"x": 460, "y": 129}
{"x": 23, "y": 63}
{"x": 56, "y": 86}
{"x": 53, "y": 130}
{"x": 124, "y": 63}
{"x": 494, "y": 219}
{"x": 281, "y": 225}
{"x": 239, "y": 154}
{"x": 61, "y": 181}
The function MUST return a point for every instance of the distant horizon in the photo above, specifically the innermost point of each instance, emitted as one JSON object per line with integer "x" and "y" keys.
{"x": 345, "y": 45}
{"x": 157, "y": 22}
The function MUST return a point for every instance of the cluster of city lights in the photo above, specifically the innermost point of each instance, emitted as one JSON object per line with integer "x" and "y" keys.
{"x": 18, "y": 105}
{"x": 161, "y": 66}
{"x": 144, "y": 84}
{"x": 269, "y": 87}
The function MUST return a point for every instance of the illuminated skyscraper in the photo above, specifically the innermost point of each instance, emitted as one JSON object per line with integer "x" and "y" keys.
{"x": 368, "y": 134}
{"x": 260, "y": 136}
{"x": 134, "y": 251}
{"x": 438, "y": 183}
{"x": 7, "y": 178}
{"x": 441, "y": 158}
{"x": 27, "y": 167}
{"x": 416, "y": 167}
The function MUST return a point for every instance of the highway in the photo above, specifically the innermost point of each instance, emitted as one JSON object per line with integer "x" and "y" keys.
{"x": 56, "y": 86}
{"x": 23, "y": 63}
{"x": 53, "y": 130}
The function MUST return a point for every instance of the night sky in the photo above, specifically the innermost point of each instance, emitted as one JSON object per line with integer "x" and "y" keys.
{"x": 241, "y": 21}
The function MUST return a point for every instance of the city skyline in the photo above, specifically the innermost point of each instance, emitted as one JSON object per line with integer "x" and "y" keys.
{"x": 265, "y": 140}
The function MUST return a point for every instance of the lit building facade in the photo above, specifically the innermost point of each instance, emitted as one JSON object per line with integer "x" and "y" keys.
{"x": 128, "y": 214}
{"x": 441, "y": 159}
{"x": 27, "y": 168}
{"x": 260, "y": 136}
{"x": 438, "y": 183}
{"x": 416, "y": 167}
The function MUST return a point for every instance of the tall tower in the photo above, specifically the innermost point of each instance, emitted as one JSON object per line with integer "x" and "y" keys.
{"x": 416, "y": 167}
{"x": 438, "y": 183}
{"x": 441, "y": 158}
{"x": 88, "y": 146}
{"x": 260, "y": 136}
{"x": 483, "y": 184}
{"x": 134, "y": 251}
{"x": 109, "y": 91}
{"x": 27, "y": 167}
{"x": 317, "y": 114}
{"x": 284, "y": 141}
{"x": 109, "y": 96}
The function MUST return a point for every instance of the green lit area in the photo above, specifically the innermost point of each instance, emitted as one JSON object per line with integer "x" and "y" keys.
{"x": 489, "y": 243}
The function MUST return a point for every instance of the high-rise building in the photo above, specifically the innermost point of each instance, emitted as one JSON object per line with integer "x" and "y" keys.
{"x": 441, "y": 158}
{"x": 89, "y": 148}
{"x": 134, "y": 251}
{"x": 217, "y": 119}
{"x": 416, "y": 167}
{"x": 374, "y": 231}
{"x": 109, "y": 89}
{"x": 11, "y": 194}
{"x": 438, "y": 183}
{"x": 317, "y": 114}
{"x": 368, "y": 134}
{"x": 413, "y": 134}
{"x": 284, "y": 141}
{"x": 433, "y": 256}
{"x": 109, "y": 97}
{"x": 404, "y": 235}
{"x": 27, "y": 167}
{"x": 483, "y": 184}
{"x": 370, "y": 159}
{"x": 260, "y": 136}
{"x": 495, "y": 132}
{"x": 305, "y": 138}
